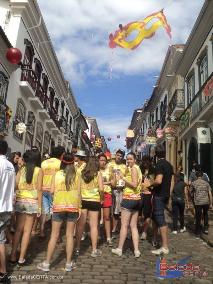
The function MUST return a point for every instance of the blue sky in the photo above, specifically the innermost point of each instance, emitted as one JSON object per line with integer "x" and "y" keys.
{"x": 110, "y": 85}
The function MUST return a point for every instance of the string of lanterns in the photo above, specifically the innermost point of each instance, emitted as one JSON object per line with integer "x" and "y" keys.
{"x": 113, "y": 138}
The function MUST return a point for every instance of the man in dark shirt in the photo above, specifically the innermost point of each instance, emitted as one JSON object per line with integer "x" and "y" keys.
{"x": 161, "y": 193}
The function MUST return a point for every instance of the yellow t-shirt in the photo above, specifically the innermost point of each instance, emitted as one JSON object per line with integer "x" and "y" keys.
{"x": 113, "y": 167}
{"x": 49, "y": 167}
{"x": 27, "y": 192}
{"x": 106, "y": 174}
{"x": 90, "y": 191}
{"x": 66, "y": 200}
{"x": 80, "y": 168}
{"x": 130, "y": 193}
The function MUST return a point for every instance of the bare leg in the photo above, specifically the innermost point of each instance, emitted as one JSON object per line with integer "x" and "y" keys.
{"x": 164, "y": 236}
{"x": 114, "y": 224}
{"x": 69, "y": 240}
{"x": 93, "y": 222}
{"x": 125, "y": 219}
{"x": 134, "y": 229}
{"x": 43, "y": 221}
{"x": 146, "y": 225}
{"x": 20, "y": 218}
{"x": 56, "y": 226}
{"x": 29, "y": 220}
{"x": 2, "y": 258}
{"x": 107, "y": 222}
{"x": 80, "y": 227}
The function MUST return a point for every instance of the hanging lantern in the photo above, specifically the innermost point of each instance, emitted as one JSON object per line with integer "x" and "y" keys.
{"x": 159, "y": 133}
{"x": 14, "y": 55}
{"x": 109, "y": 139}
{"x": 118, "y": 136}
{"x": 21, "y": 128}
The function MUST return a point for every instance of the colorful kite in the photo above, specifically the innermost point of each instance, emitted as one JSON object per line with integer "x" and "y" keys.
{"x": 120, "y": 38}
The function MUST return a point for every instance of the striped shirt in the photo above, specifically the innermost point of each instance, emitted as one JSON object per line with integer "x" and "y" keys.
{"x": 201, "y": 190}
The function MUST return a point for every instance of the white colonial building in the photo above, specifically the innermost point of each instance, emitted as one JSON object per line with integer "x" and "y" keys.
{"x": 196, "y": 67}
{"x": 38, "y": 93}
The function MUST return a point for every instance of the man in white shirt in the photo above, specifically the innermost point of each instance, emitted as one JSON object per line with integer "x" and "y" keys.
{"x": 7, "y": 186}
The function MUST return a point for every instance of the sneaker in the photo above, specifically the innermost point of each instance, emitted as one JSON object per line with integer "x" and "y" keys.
{"x": 84, "y": 235}
{"x": 69, "y": 267}
{"x": 174, "y": 232}
{"x": 154, "y": 244}
{"x": 96, "y": 253}
{"x": 76, "y": 252}
{"x": 109, "y": 242}
{"x": 5, "y": 278}
{"x": 197, "y": 236}
{"x": 117, "y": 251}
{"x": 143, "y": 236}
{"x": 114, "y": 235}
{"x": 206, "y": 231}
{"x": 160, "y": 251}
{"x": 137, "y": 253}
{"x": 183, "y": 230}
{"x": 44, "y": 266}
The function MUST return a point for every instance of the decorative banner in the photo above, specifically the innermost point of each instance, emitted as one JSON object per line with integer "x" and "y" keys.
{"x": 21, "y": 128}
{"x": 203, "y": 135}
{"x": 121, "y": 36}
{"x": 98, "y": 143}
{"x": 159, "y": 133}
{"x": 208, "y": 90}
{"x": 150, "y": 140}
{"x": 143, "y": 146}
{"x": 130, "y": 133}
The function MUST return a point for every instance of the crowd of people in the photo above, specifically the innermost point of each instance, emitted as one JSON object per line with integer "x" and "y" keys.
{"x": 76, "y": 190}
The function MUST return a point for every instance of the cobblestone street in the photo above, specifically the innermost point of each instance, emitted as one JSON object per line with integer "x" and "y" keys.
{"x": 111, "y": 269}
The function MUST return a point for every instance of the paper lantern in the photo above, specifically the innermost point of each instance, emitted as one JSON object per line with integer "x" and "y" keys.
{"x": 14, "y": 55}
{"x": 130, "y": 133}
{"x": 159, "y": 133}
{"x": 21, "y": 128}
{"x": 109, "y": 139}
{"x": 118, "y": 136}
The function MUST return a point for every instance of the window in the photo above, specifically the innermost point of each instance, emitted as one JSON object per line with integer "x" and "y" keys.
{"x": 46, "y": 142}
{"x": 30, "y": 129}
{"x": 19, "y": 117}
{"x": 56, "y": 104}
{"x": 203, "y": 69}
{"x": 52, "y": 95}
{"x": 45, "y": 83}
{"x": 3, "y": 87}
{"x": 156, "y": 114}
{"x": 39, "y": 136}
{"x": 190, "y": 87}
{"x": 38, "y": 69}
{"x": 62, "y": 108}
{"x": 29, "y": 53}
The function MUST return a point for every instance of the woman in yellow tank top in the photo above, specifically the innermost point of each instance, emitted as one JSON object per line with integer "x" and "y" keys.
{"x": 28, "y": 202}
{"x": 66, "y": 207}
{"x": 131, "y": 205}
{"x": 92, "y": 194}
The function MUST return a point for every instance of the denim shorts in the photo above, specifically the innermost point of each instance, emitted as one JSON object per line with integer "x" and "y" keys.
{"x": 47, "y": 202}
{"x": 159, "y": 205}
{"x": 26, "y": 207}
{"x": 131, "y": 205}
{"x": 4, "y": 222}
{"x": 65, "y": 216}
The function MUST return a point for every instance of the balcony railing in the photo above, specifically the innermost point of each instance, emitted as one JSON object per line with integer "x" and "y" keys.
{"x": 177, "y": 102}
{"x": 198, "y": 104}
{"x": 29, "y": 76}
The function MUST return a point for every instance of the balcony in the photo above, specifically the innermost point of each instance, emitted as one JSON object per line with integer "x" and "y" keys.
{"x": 63, "y": 124}
{"x": 52, "y": 122}
{"x": 200, "y": 107}
{"x": 28, "y": 82}
{"x": 176, "y": 104}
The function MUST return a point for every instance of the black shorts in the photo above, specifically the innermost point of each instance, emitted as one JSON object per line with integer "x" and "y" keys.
{"x": 159, "y": 205}
{"x": 91, "y": 205}
{"x": 131, "y": 205}
{"x": 147, "y": 205}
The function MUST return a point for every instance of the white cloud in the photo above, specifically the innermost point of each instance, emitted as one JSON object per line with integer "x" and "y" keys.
{"x": 80, "y": 29}
{"x": 113, "y": 126}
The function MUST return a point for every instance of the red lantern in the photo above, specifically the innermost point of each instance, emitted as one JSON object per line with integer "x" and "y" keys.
{"x": 14, "y": 55}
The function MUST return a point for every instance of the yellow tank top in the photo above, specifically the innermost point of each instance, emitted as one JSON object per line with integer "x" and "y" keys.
{"x": 90, "y": 191}
{"x": 49, "y": 167}
{"x": 130, "y": 193}
{"x": 63, "y": 200}
{"x": 27, "y": 192}
{"x": 106, "y": 177}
